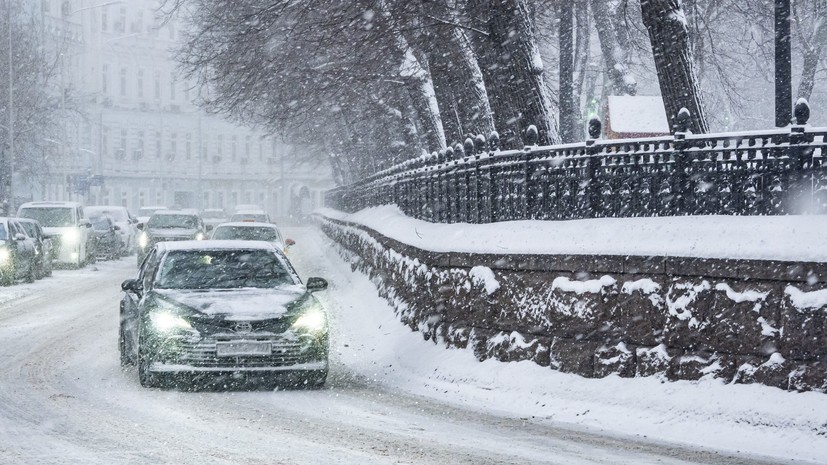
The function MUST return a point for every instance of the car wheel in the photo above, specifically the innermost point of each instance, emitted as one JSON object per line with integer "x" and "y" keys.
{"x": 6, "y": 277}
{"x": 146, "y": 377}
{"x": 30, "y": 276}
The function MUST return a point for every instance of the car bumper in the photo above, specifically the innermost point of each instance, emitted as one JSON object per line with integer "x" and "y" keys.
{"x": 158, "y": 367}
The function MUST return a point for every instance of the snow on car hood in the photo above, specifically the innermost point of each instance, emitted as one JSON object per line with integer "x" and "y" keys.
{"x": 237, "y": 304}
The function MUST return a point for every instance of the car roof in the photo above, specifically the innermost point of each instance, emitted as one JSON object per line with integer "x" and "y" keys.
{"x": 250, "y": 212}
{"x": 214, "y": 245}
{"x": 246, "y": 224}
{"x": 175, "y": 212}
{"x": 51, "y": 204}
{"x": 106, "y": 207}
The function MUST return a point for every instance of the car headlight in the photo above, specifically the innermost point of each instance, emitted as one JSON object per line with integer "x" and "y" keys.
{"x": 313, "y": 320}
{"x": 165, "y": 318}
{"x": 71, "y": 237}
{"x": 5, "y": 255}
{"x": 143, "y": 240}
{"x": 199, "y": 236}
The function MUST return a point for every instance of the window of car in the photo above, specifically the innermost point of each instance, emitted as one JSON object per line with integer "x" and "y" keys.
{"x": 30, "y": 228}
{"x": 173, "y": 221}
{"x": 50, "y": 217}
{"x": 101, "y": 223}
{"x": 3, "y": 234}
{"x": 116, "y": 214}
{"x": 222, "y": 269}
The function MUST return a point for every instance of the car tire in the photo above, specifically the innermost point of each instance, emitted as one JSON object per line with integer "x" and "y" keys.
{"x": 146, "y": 377}
{"x": 6, "y": 277}
{"x": 30, "y": 276}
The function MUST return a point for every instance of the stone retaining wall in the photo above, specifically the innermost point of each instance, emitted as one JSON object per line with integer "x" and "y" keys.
{"x": 745, "y": 321}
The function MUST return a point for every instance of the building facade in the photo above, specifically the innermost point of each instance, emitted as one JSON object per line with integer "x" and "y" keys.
{"x": 132, "y": 135}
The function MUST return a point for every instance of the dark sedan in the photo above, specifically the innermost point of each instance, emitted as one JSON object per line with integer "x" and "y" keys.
{"x": 108, "y": 244}
{"x": 44, "y": 249}
{"x": 223, "y": 308}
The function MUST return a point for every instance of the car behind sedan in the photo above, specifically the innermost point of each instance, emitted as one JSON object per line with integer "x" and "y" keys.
{"x": 233, "y": 308}
{"x": 245, "y": 231}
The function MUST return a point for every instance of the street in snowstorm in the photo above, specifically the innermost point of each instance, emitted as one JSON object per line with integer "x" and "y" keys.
{"x": 65, "y": 400}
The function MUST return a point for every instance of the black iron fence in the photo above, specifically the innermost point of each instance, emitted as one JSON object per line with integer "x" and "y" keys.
{"x": 779, "y": 171}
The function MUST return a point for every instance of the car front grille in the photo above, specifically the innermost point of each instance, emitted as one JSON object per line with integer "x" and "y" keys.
{"x": 201, "y": 352}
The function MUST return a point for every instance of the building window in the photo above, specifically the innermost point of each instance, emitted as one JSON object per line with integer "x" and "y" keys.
{"x": 219, "y": 146}
{"x": 140, "y": 83}
{"x": 157, "y": 144}
{"x": 157, "y": 85}
{"x": 104, "y": 19}
{"x": 105, "y": 139}
{"x": 139, "y": 150}
{"x": 120, "y": 25}
{"x": 172, "y": 86}
{"x": 105, "y": 79}
{"x": 247, "y": 147}
{"x": 121, "y": 153}
{"x": 173, "y": 146}
{"x": 188, "y": 146}
{"x": 123, "y": 82}
{"x": 234, "y": 147}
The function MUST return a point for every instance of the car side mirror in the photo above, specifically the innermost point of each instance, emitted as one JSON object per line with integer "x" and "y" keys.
{"x": 316, "y": 284}
{"x": 20, "y": 237}
{"x": 133, "y": 285}
{"x": 116, "y": 228}
{"x": 140, "y": 226}
{"x": 210, "y": 227}
{"x": 289, "y": 242}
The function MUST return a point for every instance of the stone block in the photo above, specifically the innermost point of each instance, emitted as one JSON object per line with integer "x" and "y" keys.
{"x": 650, "y": 361}
{"x": 810, "y": 376}
{"x": 744, "y": 318}
{"x": 579, "y": 309}
{"x": 688, "y": 302}
{"x": 618, "y": 359}
{"x": 640, "y": 309}
{"x": 697, "y": 365}
{"x": 573, "y": 356}
{"x": 803, "y": 323}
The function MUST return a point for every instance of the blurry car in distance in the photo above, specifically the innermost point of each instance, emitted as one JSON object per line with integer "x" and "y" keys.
{"x": 246, "y": 206}
{"x": 127, "y": 231}
{"x": 145, "y": 212}
{"x": 247, "y": 231}
{"x": 169, "y": 225}
{"x": 107, "y": 236}
{"x": 222, "y": 308}
{"x": 69, "y": 229}
{"x": 17, "y": 253}
{"x": 44, "y": 253}
{"x": 259, "y": 216}
{"x": 213, "y": 217}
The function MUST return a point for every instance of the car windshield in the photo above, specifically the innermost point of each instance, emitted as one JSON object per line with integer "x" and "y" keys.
{"x": 246, "y": 233}
{"x": 3, "y": 234}
{"x": 173, "y": 221}
{"x": 222, "y": 269}
{"x": 148, "y": 211}
{"x": 29, "y": 227}
{"x": 115, "y": 214}
{"x": 50, "y": 217}
{"x": 100, "y": 223}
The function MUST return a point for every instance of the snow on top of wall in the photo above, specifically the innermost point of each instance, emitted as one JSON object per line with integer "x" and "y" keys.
{"x": 786, "y": 238}
{"x": 637, "y": 114}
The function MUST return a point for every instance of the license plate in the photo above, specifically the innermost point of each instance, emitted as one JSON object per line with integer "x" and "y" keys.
{"x": 240, "y": 348}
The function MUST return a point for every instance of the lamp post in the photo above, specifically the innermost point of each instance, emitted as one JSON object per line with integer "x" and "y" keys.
{"x": 11, "y": 205}
{"x": 783, "y": 66}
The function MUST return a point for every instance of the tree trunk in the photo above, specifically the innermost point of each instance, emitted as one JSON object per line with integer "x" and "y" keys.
{"x": 623, "y": 83}
{"x": 567, "y": 106}
{"x": 666, "y": 23}
{"x": 513, "y": 71}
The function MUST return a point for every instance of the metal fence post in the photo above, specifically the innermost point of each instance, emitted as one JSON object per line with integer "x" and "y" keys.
{"x": 680, "y": 188}
{"x": 798, "y": 151}
{"x": 593, "y": 187}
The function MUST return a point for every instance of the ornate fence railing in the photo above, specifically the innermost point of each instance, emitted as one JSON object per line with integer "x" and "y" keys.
{"x": 779, "y": 171}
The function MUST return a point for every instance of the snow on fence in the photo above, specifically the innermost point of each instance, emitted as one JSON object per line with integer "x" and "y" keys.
{"x": 779, "y": 171}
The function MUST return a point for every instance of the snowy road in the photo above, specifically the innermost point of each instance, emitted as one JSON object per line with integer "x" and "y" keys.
{"x": 64, "y": 399}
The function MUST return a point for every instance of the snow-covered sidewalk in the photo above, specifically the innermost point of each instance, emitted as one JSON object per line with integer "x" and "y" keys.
{"x": 787, "y": 238}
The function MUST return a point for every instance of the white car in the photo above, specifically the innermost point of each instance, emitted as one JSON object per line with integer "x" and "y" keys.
{"x": 246, "y": 206}
{"x": 247, "y": 231}
{"x": 125, "y": 222}
{"x": 259, "y": 216}
{"x": 145, "y": 212}
{"x": 70, "y": 230}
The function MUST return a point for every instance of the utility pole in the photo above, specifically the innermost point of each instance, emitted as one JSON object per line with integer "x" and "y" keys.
{"x": 783, "y": 66}
{"x": 12, "y": 206}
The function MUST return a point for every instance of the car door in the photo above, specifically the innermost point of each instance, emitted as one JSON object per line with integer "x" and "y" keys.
{"x": 132, "y": 300}
{"x": 24, "y": 249}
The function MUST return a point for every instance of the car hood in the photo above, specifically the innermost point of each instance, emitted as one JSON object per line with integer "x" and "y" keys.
{"x": 246, "y": 304}
{"x": 172, "y": 232}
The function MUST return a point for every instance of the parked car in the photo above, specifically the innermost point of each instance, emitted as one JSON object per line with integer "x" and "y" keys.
{"x": 247, "y": 231}
{"x": 259, "y": 216}
{"x": 69, "y": 229}
{"x": 169, "y": 225}
{"x": 44, "y": 253}
{"x": 263, "y": 321}
{"x": 127, "y": 231}
{"x": 107, "y": 237}
{"x": 213, "y": 217}
{"x": 145, "y": 212}
{"x": 17, "y": 253}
